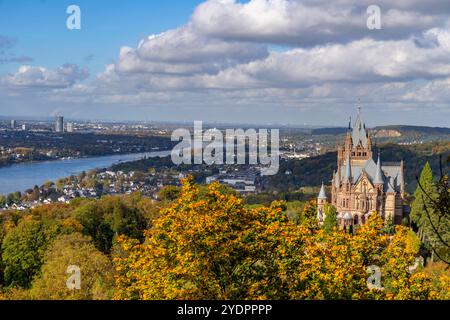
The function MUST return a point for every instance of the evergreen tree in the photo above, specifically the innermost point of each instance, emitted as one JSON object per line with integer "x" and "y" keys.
{"x": 422, "y": 200}
{"x": 431, "y": 214}
{"x": 330, "y": 221}
{"x": 439, "y": 221}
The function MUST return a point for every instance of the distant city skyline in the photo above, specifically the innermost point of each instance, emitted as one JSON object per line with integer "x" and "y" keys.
{"x": 286, "y": 62}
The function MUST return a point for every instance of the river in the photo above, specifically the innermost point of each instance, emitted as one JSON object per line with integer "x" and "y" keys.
{"x": 20, "y": 177}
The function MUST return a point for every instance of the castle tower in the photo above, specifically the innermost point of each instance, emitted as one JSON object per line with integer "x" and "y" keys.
{"x": 321, "y": 201}
{"x": 362, "y": 185}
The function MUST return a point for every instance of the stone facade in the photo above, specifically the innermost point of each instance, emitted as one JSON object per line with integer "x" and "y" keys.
{"x": 361, "y": 186}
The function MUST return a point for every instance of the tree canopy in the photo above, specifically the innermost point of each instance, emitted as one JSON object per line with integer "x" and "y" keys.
{"x": 210, "y": 246}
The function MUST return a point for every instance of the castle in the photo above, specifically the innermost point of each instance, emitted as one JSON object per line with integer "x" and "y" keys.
{"x": 361, "y": 186}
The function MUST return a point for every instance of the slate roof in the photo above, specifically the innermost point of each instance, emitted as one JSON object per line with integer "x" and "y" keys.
{"x": 359, "y": 134}
{"x": 392, "y": 175}
{"x": 322, "y": 194}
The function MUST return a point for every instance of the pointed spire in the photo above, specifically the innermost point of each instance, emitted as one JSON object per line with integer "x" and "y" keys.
{"x": 359, "y": 134}
{"x": 348, "y": 169}
{"x": 337, "y": 183}
{"x": 322, "y": 194}
{"x": 379, "y": 174}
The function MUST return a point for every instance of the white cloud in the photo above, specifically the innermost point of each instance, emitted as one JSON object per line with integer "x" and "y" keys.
{"x": 183, "y": 51}
{"x": 308, "y": 23}
{"x": 362, "y": 61}
{"x": 40, "y": 77}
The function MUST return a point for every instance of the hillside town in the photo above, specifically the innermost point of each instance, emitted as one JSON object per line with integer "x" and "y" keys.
{"x": 98, "y": 183}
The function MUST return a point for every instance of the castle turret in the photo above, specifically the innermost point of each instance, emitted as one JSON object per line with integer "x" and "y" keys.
{"x": 321, "y": 201}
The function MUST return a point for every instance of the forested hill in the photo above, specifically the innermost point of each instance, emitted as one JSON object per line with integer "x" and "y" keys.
{"x": 395, "y": 131}
{"x": 312, "y": 171}
{"x": 416, "y": 129}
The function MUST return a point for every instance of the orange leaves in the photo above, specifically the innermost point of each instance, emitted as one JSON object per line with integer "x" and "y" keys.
{"x": 207, "y": 245}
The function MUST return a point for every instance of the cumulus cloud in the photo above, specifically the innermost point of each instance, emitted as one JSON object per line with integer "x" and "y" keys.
{"x": 183, "y": 51}
{"x": 40, "y": 77}
{"x": 308, "y": 23}
{"x": 204, "y": 54}
{"x": 362, "y": 61}
{"x": 437, "y": 91}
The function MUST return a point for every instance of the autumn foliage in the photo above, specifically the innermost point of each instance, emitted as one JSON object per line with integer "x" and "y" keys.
{"x": 209, "y": 245}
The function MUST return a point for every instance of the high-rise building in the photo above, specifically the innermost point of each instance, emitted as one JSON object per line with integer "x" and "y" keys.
{"x": 13, "y": 124}
{"x": 59, "y": 126}
{"x": 69, "y": 127}
{"x": 24, "y": 127}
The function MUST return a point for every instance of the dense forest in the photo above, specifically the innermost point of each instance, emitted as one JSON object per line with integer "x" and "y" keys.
{"x": 203, "y": 242}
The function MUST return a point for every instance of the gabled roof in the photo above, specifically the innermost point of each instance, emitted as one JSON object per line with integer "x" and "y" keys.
{"x": 392, "y": 174}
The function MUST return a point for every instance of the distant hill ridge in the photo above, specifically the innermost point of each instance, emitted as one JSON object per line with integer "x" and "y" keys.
{"x": 402, "y": 129}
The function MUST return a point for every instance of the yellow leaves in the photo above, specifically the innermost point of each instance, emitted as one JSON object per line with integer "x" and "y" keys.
{"x": 208, "y": 245}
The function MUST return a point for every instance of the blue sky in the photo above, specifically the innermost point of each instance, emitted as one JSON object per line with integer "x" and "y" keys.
{"x": 40, "y": 28}
{"x": 256, "y": 61}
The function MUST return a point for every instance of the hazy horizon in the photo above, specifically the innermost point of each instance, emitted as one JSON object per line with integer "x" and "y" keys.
{"x": 210, "y": 123}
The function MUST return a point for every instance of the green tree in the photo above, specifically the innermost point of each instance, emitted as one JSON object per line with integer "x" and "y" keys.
{"x": 389, "y": 227}
{"x": 169, "y": 193}
{"x": 124, "y": 219}
{"x": 438, "y": 219}
{"x": 96, "y": 272}
{"x": 91, "y": 217}
{"x": 330, "y": 221}
{"x": 109, "y": 217}
{"x": 2, "y": 201}
{"x": 23, "y": 250}
{"x": 13, "y": 198}
{"x": 422, "y": 200}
